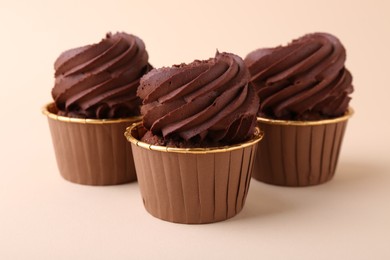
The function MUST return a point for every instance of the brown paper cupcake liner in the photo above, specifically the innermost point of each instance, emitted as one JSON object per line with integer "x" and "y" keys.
{"x": 194, "y": 185}
{"x": 91, "y": 151}
{"x": 298, "y": 153}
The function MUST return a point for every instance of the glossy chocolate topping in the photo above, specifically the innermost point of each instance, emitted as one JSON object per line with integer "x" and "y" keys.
{"x": 204, "y": 100}
{"x": 101, "y": 80}
{"x": 305, "y": 80}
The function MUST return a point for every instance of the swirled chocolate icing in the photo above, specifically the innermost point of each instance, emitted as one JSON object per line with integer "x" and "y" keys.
{"x": 305, "y": 80}
{"x": 203, "y": 103}
{"x": 101, "y": 80}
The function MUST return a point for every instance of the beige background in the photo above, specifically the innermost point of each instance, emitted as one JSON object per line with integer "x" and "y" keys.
{"x": 44, "y": 217}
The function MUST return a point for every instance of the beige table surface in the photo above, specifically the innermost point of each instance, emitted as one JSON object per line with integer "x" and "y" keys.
{"x": 44, "y": 217}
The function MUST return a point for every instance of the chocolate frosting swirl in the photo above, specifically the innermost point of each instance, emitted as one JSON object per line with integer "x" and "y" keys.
{"x": 305, "y": 80}
{"x": 101, "y": 80}
{"x": 206, "y": 100}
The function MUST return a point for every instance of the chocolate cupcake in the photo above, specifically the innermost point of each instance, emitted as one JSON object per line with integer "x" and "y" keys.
{"x": 94, "y": 101}
{"x": 195, "y": 147}
{"x": 304, "y": 90}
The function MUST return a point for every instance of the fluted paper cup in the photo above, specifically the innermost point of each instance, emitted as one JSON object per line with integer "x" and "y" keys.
{"x": 91, "y": 151}
{"x": 192, "y": 185}
{"x": 299, "y": 153}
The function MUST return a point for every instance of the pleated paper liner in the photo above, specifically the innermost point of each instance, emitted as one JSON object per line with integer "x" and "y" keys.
{"x": 91, "y": 151}
{"x": 192, "y": 185}
{"x": 299, "y": 153}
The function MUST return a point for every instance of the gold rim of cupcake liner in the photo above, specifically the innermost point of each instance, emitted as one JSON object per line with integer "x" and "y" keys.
{"x": 346, "y": 116}
{"x": 51, "y": 106}
{"x": 258, "y": 135}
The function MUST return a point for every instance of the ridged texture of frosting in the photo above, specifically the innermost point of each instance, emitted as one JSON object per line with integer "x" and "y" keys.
{"x": 101, "y": 80}
{"x": 305, "y": 80}
{"x": 204, "y": 100}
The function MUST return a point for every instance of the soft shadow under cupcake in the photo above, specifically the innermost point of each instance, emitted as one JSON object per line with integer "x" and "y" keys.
{"x": 262, "y": 203}
{"x": 358, "y": 174}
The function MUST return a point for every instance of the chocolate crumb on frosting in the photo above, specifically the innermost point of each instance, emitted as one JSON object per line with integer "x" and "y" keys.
{"x": 204, "y": 103}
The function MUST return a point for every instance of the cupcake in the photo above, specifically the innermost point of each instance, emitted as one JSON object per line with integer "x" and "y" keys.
{"x": 94, "y": 101}
{"x": 304, "y": 90}
{"x": 195, "y": 147}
